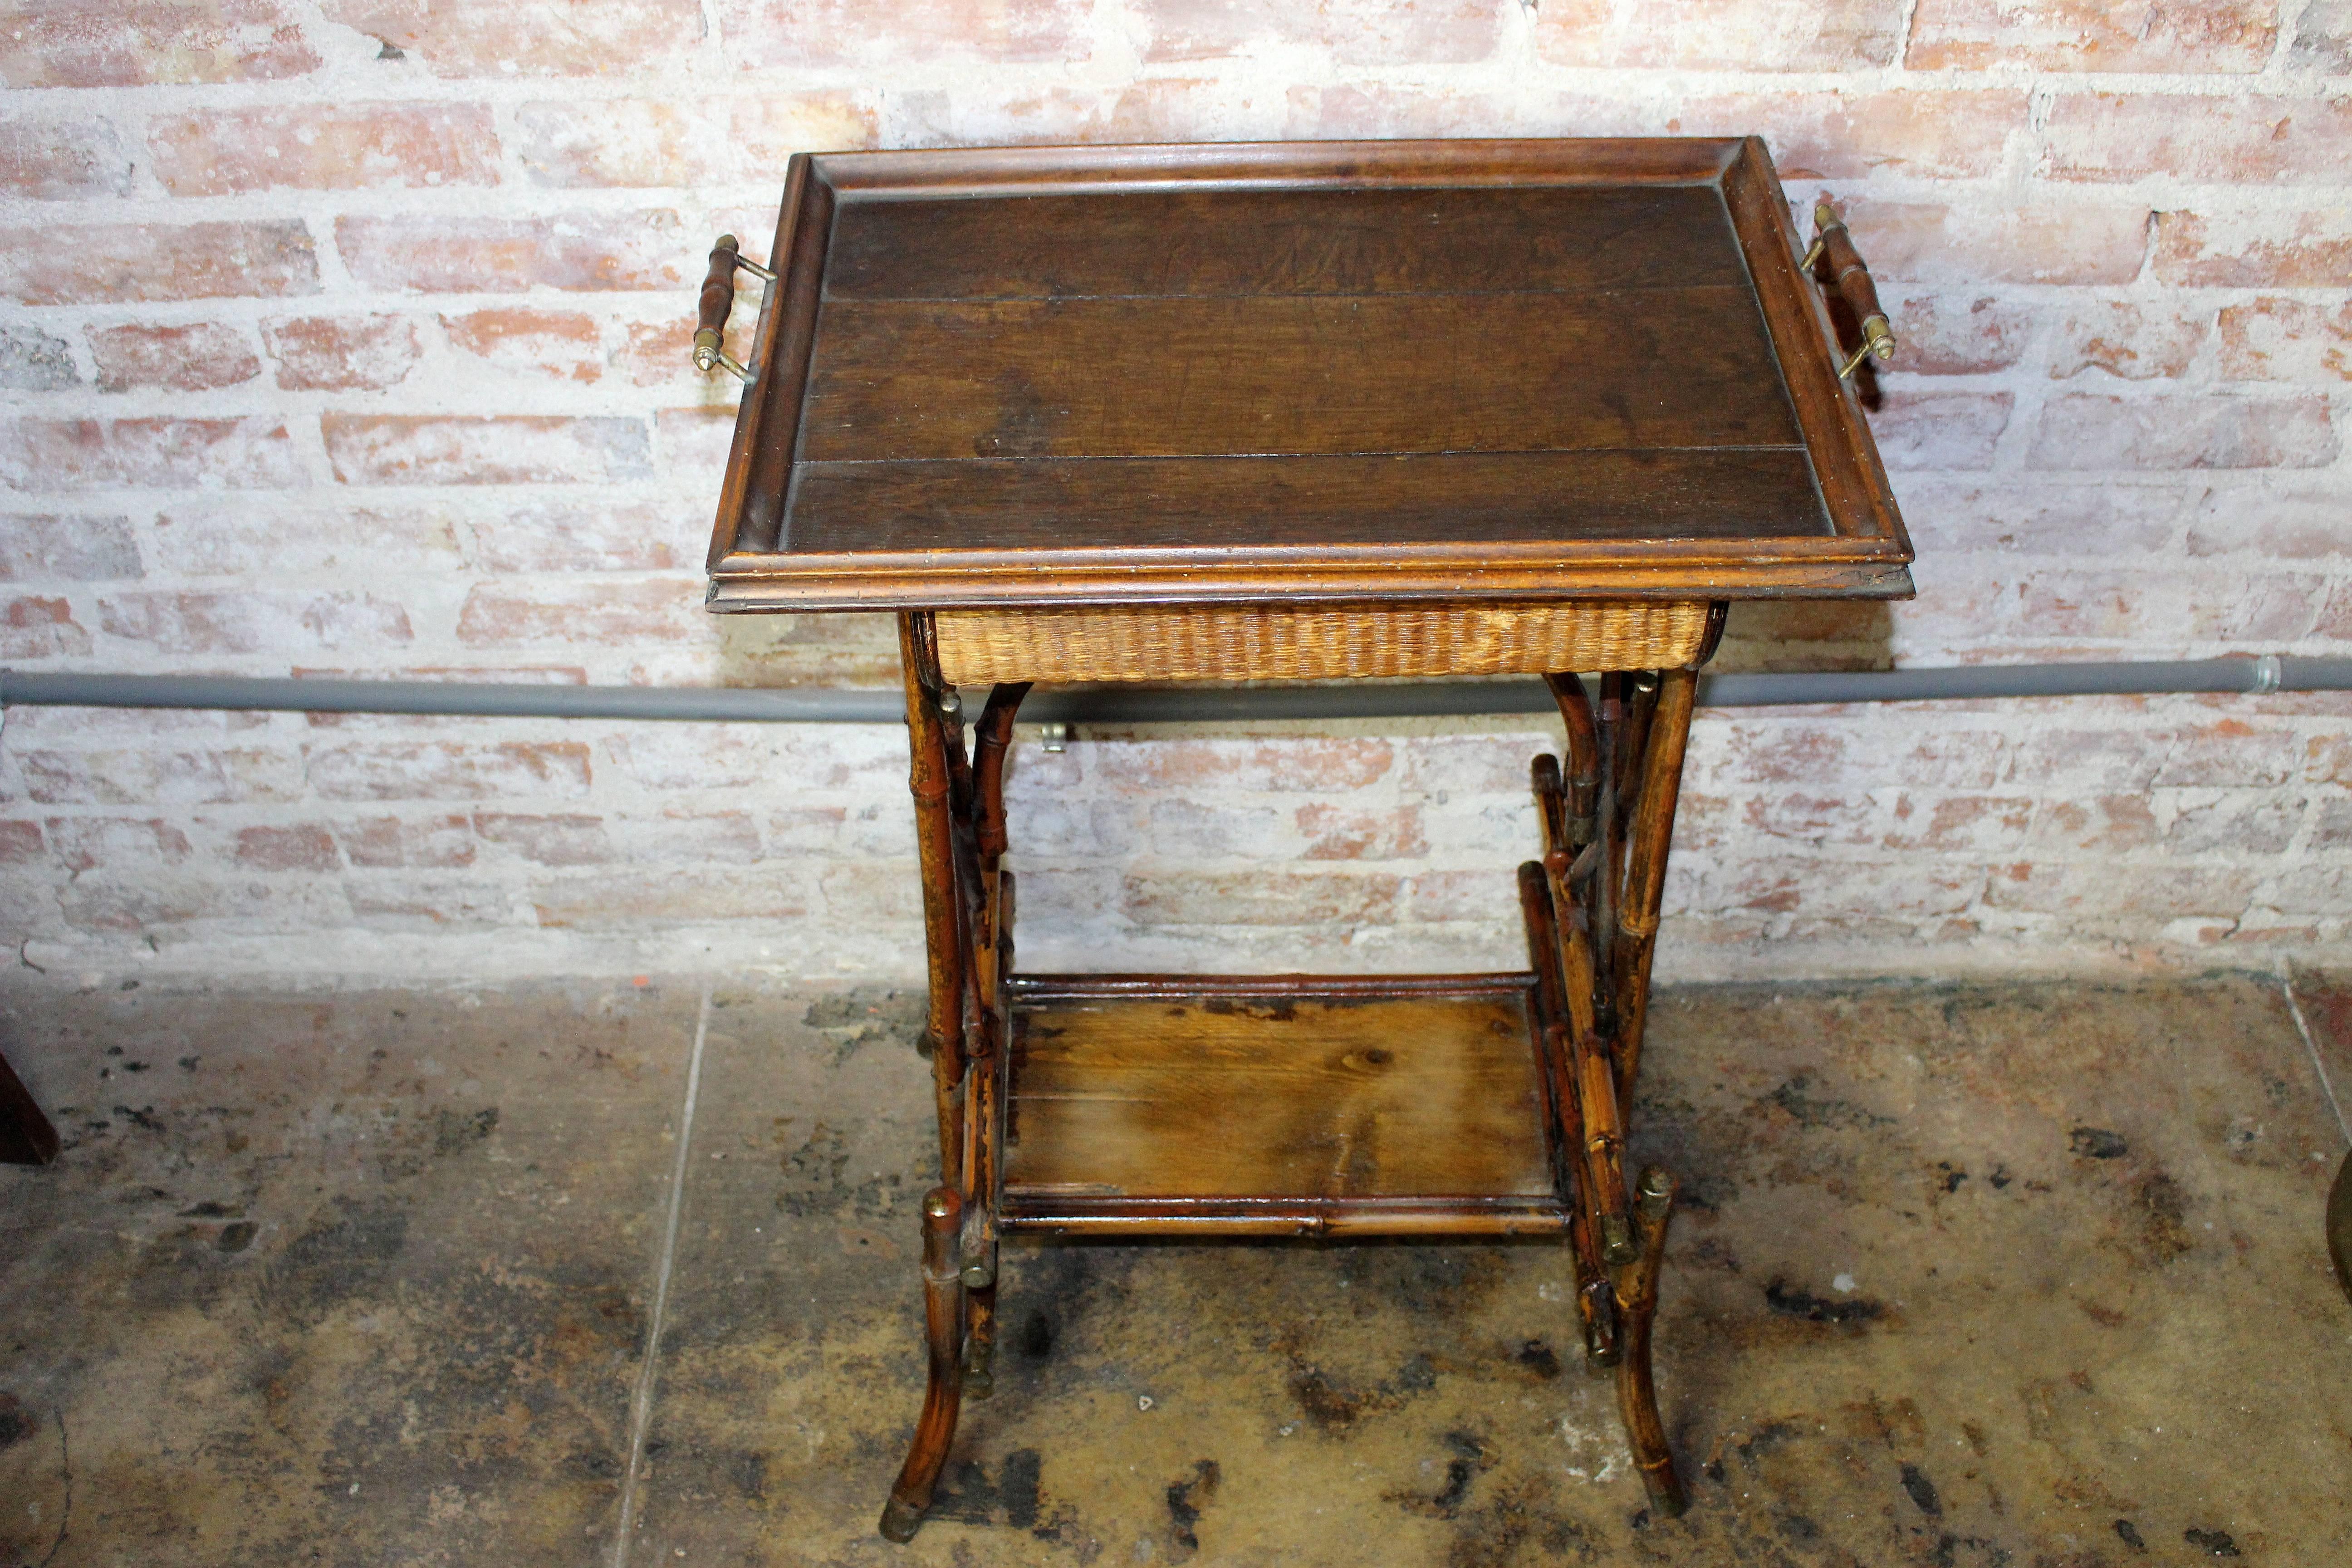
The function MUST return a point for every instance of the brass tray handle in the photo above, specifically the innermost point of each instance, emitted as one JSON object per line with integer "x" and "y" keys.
{"x": 1833, "y": 244}
{"x": 717, "y": 303}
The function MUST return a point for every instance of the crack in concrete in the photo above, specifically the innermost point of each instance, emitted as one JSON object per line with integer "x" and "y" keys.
{"x": 641, "y": 1405}
{"x": 2311, "y": 1046}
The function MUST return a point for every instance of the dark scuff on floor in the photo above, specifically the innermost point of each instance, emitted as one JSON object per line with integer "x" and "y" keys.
{"x": 2027, "y": 1275}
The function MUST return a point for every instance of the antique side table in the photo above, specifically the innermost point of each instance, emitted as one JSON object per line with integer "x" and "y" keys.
{"x": 1299, "y": 412}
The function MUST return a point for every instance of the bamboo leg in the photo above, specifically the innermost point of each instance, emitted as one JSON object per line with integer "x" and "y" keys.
{"x": 1551, "y": 1022}
{"x": 1662, "y": 725}
{"x": 980, "y": 1346}
{"x": 975, "y": 1256}
{"x": 979, "y": 1342}
{"x": 1595, "y": 1306}
{"x": 976, "y": 1248}
{"x": 1636, "y": 713}
{"x": 986, "y": 841}
{"x": 991, "y": 951}
{"x": 942, "y": 920}
{"x": 1583, "y": 755}
{"x": 1645, "y": 871}
{"x": 1604, "y": 1148}
{"x": 1591, "y": 1086}
{"x": 1637, "y": 1303}
{"x": 1600, "y": 894}
{"x": 943, "y": 1312}
{"x": 1654, "y": 732}
{"x": 939, "y": 779}
{"x": 1586, "y": 1073}
{"x": 1641, "y": 704}
{"x": 981, "y": 1099}
{"x": 1006, "y": 910}
{"x": 992, "y": 738}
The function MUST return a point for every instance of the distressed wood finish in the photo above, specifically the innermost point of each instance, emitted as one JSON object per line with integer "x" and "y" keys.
{"x": 1310, "y": 376}
{"x": 1315, "y": 1093}
{"x": 1269, "y": 411}
{"x": 1316, "y": 511}
{"x": 1305, "y": 241}
{"x": 1426, "y": 1218}
{"x": 1846, "y": 460}
{"x": 1395, "y": 370}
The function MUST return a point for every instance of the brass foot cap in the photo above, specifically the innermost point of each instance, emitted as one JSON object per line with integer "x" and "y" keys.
{"x": 979, "y": 1384}
{"x": 900, "y": 1521}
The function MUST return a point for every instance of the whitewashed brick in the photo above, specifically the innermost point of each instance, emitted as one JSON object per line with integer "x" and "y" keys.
{"x": 408, "y": 397}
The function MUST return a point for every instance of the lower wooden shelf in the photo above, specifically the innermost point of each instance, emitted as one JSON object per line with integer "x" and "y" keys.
{"x": 1286, "y": 1104}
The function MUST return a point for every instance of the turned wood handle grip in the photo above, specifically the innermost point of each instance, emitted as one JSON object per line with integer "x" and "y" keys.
{"x": 1846, "y": 267}
{"x": 718, "y": 303}
{"x": 719, "y": 285}
{"x": 1851, "y": 275}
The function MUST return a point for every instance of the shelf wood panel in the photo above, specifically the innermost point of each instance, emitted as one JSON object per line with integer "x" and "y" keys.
{"x": 1334, "y": 1094}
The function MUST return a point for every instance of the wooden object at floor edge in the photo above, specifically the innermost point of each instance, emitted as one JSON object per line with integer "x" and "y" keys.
{"x": 28, "y": 1137}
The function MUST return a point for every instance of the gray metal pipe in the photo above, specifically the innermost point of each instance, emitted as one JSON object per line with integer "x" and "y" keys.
{"x": 1146, "y": 705}
{"x": 472, "y": 699}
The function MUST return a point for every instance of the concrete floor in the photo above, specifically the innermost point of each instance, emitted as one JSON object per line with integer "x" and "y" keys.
{"x": 2030, "y": 1276}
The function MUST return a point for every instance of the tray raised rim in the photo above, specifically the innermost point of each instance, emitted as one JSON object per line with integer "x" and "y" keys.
{"x": 1867, "y": 558}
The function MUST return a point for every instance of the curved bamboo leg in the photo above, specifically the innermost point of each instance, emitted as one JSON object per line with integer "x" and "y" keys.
{"x": 1637, "y": 1302}
{"x": 943, "y": 1312}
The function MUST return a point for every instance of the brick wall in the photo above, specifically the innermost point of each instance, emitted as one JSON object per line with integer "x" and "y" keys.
{"x": 349, "y": 336}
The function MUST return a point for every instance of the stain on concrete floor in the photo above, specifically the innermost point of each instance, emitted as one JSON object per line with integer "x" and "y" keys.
{"x": 1968, "y": 1275}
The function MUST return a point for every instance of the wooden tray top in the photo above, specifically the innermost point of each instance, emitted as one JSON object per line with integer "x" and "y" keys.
{"x": 1337, "y": 371}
